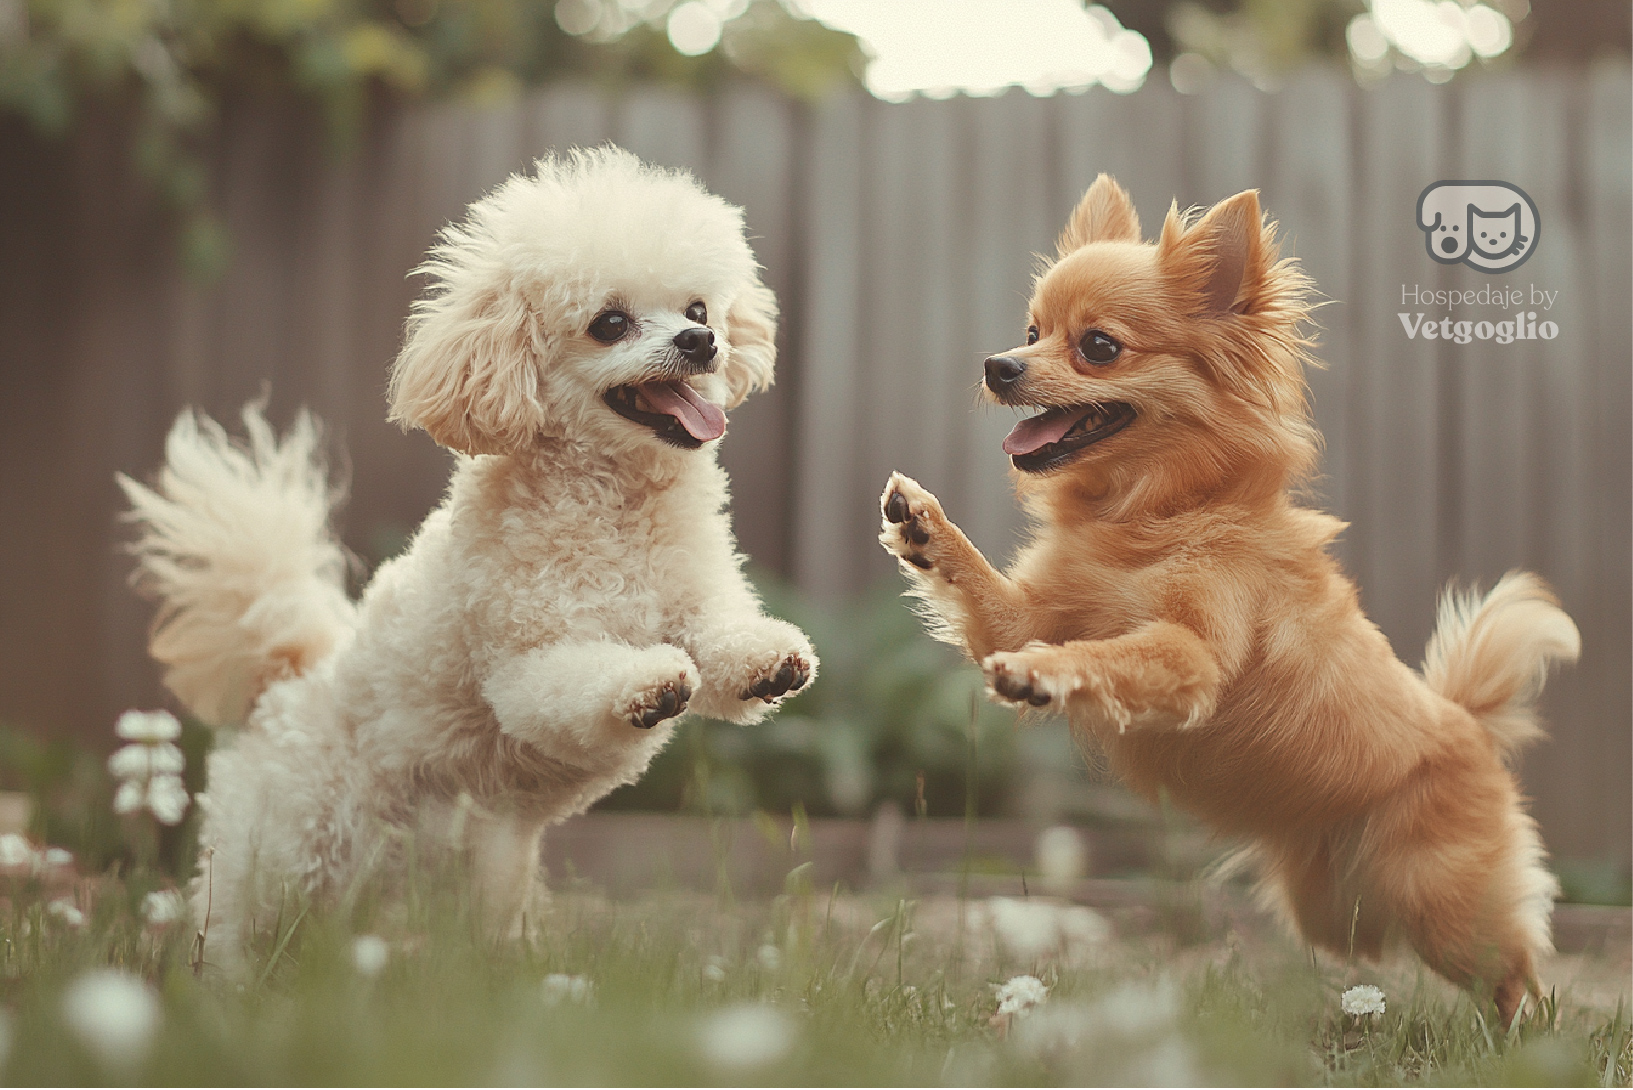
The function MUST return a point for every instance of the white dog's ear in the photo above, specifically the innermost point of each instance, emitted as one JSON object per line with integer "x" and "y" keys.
{"x": 469, "y": 372}
{"x": 751, "y": 331}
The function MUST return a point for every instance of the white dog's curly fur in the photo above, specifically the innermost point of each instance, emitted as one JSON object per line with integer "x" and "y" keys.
{"x": 575, "y": 593}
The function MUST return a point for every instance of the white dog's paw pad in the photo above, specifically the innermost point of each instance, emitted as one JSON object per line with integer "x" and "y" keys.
{"x": 789, "y": 676}
{"x": 657, "y": 704}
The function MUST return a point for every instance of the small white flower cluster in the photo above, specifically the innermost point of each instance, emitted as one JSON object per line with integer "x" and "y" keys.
{"x": 561, "y": 988}
{"x": 115, "y": 1014}
{"x": 1030, "y": 929}
{"x": 149, "y": 769}
{"x": 19, "y": 858}
{"x": 163, "y": 907}
{"x": 747, "y": 1036}
{"x": 65, "y": 912}
{"x": 1362, "y": 1000}
{"x": 1130, "y": 1036}
{"x": 1020, "y": 994}
{"x": 369, "y": 955}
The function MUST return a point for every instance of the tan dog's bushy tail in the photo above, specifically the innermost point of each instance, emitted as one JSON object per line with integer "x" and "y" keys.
{"x": 235, "y": 545}
{"x": 1491, "y": 655}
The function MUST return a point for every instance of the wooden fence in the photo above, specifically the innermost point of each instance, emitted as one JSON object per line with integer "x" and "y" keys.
{"x": 900, "y": 240}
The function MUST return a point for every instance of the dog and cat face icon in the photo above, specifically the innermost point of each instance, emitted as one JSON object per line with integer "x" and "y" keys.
{"x": 1487, "y": 225}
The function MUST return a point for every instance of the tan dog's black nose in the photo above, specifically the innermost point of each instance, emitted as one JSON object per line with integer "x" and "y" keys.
{"x": 697, "y": 345}
{"x": 1003, "y": 372}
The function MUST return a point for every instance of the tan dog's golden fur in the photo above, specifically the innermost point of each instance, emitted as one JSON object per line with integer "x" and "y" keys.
{"x": 1185, "y": 613}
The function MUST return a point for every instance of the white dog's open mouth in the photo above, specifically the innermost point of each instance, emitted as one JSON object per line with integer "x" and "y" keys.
{"x": 675, "y": 412}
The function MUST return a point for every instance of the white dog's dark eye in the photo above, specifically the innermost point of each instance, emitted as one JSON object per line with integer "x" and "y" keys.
{"x": 1031, "y": 334}
{"x": 610, "y": 326}
{"x": 698, "y": 313}
{"x": 1099, "y": 346}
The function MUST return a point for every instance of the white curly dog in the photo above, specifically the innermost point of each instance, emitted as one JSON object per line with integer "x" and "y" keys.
{"x": 575, "y": 594}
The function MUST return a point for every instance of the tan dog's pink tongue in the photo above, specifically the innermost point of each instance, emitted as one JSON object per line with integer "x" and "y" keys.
{"x": 1040, "y": 431}
{"x": 704, "y": 420}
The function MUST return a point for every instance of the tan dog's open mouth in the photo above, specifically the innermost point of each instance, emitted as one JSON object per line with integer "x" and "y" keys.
{"x": 675, "y": 412}
{"x": 1055, "y": 436}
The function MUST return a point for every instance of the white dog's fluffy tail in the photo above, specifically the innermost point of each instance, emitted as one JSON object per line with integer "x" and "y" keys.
{"x": 1492, "y": 654}
{"x": 235, "y": 545}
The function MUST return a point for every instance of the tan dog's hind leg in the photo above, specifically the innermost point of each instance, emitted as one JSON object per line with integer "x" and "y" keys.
{"x": 1161, "y": 675}
{"x": 978, "y": 607}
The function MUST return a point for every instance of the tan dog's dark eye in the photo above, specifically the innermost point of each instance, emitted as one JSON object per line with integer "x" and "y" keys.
{"x": 1031, "y": 334}
{"x": 698, "y": 313}
{"x": 1099, "y": 346}
{"x": 610, "y": 327}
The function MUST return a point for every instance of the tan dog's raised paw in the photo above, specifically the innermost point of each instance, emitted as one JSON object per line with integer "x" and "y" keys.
{"x": 911, "y": 517}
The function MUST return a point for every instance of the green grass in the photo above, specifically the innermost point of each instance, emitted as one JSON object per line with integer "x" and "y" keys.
{"x": 864, "y": 991}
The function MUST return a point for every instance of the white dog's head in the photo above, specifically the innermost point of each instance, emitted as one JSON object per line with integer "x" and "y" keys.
{"x": 601, "y": 300}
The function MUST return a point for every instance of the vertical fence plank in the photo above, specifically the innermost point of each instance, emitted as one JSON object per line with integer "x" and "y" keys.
{"x": 829, "y": 519}
{"x": 1137, "y": 139}
{"x": 664, "y": 127}
{"x": 1393, "y": 456}
{"x": 1605, "y": 796}
{"x": 1307, "y": 188}
{"x": 753, "y": 167}
{"x": 1012, "y": 217}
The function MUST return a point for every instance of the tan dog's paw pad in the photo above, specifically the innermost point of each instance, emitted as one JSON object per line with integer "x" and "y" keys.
{"x": 909, "y": 513}
{"x": 663, "y": 701}
{"x": 786, "y": 678}
{"x": 1010, "y": 679}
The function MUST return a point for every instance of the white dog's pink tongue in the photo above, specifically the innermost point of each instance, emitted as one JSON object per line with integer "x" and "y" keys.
{"x": 702, "y": 419}
{"x": 1041, "y": 430}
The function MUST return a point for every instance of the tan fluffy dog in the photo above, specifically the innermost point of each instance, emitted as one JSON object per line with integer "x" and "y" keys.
{"x": 1185, "y": 613}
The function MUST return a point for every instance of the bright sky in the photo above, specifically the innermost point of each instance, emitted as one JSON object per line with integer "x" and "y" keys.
{"x": 941, "y": 47}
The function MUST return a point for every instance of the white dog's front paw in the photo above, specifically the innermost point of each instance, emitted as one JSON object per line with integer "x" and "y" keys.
{"x": 779, "y": 679}
{"x": 648, "y": 703}
{"x": 663, "y": 701}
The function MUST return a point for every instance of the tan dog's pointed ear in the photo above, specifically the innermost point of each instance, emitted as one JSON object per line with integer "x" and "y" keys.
{"x": 1105, "y": 214}
{"x": 1221, "y": 259}
{"x": 468, "y": 373}
{"x": 751, "y": 333}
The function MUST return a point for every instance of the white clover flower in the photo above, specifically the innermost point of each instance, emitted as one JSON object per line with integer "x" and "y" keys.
{"x": 57, "y": 857}
{"x": 17, "y": 854}
{"x": 370, "y": 954}
{"x": 714, "y": 970}
{"x": 747, "y": 1036}
{"x": 149, "y": 769}
{"x": 770, "y": 957}
{"x": 1020, "y": 994}
{"x": 562, "y": 988}
{"x": 1031, "y": 928}
{"x": 115, "y": 1014}
{"x": 159, "y": 726}
{"x": 1363, "y": 999}
{"x": 163, "y": 907}
{"x": 1062, "y": 857}
{"x": 65, "y": 912}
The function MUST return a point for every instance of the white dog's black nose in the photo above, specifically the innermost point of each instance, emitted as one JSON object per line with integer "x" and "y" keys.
{"x": 696, "y": 344}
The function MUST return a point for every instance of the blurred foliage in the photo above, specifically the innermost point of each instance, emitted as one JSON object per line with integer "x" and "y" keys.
{"x": 164, "y": 68}
{"x": 889, "y": 706}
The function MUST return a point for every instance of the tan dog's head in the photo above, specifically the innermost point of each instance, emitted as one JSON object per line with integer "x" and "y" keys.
{"x": 1166, "y": 372}
{"x": 600, "y": 300}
